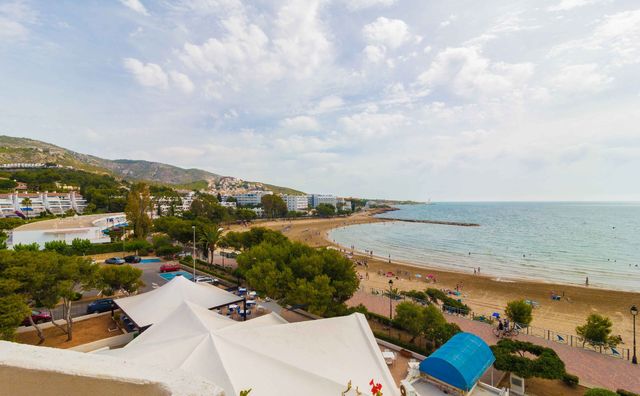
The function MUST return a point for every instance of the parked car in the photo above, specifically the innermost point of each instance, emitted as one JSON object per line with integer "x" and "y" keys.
{"x": 114, "y": 260}
{"x": 170, "y": 267}
{"x": 132, "y": 259}
{"x": 38, "y": 317}
{"x": 101, "y": 305}
{"x": 206, "y": 279}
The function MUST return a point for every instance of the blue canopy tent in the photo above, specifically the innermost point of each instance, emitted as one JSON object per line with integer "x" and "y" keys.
{"x": 460, "y": 362}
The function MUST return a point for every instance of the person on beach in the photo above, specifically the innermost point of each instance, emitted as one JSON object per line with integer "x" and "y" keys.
{"x": 586, "y": 282}
{"x": 500, "y": 328}
{"x": 475, "y": 272}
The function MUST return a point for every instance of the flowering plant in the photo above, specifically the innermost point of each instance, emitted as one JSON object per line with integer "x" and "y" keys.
{"x": 376, "y": 389}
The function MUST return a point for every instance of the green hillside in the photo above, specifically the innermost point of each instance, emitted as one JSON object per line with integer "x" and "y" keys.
{"x": 14, "y": 149}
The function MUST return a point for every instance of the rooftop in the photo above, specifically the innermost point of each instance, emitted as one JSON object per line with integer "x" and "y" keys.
{"x": 66, "y": 223}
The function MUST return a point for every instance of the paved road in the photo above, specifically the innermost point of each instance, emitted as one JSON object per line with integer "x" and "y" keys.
{"x": 593, "y": 368}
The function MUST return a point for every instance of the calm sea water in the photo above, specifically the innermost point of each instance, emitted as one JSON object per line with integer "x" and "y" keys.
{"x": 556, "y": 242}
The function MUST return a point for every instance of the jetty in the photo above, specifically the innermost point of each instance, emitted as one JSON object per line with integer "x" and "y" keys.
{"x": 451, "y": 223}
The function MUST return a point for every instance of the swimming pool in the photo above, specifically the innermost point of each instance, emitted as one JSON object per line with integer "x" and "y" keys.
{"x": 150, "y": 260}
{"x": 170, "y": 275}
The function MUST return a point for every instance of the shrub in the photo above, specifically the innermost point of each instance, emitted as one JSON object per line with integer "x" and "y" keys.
{"x": 400, "y": 343}
{"x": 599, "y": 392}
{"x": 509, "y": 358}
{"x": 519, "y": 312}
{"x": 623, "y": 392}
{"x": 570, "y": 380}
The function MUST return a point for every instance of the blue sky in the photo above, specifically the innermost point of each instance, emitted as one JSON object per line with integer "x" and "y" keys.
{"x": 464, "y": 100}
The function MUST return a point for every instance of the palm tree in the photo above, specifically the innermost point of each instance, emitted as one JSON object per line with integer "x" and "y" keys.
{"x": 210, "y": 238}
{"x": 26, "y": 203}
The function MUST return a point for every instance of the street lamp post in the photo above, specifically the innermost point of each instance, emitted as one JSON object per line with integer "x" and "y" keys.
{"x": 634, "y": 313}
{"x": 390, "y": 299}
{"x": 193, "y": 257}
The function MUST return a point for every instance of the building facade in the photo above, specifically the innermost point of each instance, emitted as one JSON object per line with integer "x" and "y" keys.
{"x": 252, "y": 198}
{"x": 32, "y": 204}
{"x": 316, "y": 199}
{"x": 296, "y": 203}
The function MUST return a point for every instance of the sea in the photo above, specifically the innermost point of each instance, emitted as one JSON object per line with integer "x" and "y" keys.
{"x": 558, "y": 242}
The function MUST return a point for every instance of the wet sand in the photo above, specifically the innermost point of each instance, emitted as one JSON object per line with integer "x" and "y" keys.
{"x": 483, "y": 294}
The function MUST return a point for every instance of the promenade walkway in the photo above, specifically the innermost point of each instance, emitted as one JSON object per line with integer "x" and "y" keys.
{"x": 593, "y": 368}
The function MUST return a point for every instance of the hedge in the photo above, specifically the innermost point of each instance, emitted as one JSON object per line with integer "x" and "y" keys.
{"x": 623, "y": 392}
{"x": 400, "y": 343}
{"x": 570, "y": 380}
{"x": 599, "y": 392}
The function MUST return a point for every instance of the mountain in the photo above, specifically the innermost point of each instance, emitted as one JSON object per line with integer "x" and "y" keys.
{"x": 14, "y": 149}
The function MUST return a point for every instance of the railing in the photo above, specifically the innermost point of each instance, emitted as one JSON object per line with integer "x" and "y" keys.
{"x": 572, "y": 340}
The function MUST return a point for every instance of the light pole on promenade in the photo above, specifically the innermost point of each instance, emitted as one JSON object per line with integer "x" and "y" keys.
{"x": 193, "y": 257}
{"x": 634, "y": 313}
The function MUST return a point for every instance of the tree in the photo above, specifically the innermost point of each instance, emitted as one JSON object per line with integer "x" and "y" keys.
{"x": 210, "y": 237}
{"x": 410, "y": 317}
{"x": 137, "y": 210}
{"x": 13, "y": 308}
{"x": 80, "y": 246}
{"x": 76, "y": 275}
{"x": 112, "y": 279}
{"x": 273, "y": 206}
{"x": 512, "y": 356}
{"x": 596, "y": 331}
{"x": 3, "y": 240}
{"x": 56, "y": 246}
{"x": 519, "y": 312}
{"x": 436, "y": 328}
{"x": 325, "y": 210}
{"x": 27, "y": 203}
{"x": 28, "y": 247}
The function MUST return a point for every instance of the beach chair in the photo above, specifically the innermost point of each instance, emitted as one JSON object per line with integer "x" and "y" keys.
{"x": 560, "y": 338}
{"x": 615, "y": 352}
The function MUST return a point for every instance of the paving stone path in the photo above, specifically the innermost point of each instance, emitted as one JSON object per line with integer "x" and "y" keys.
{"x": 593, "y": 368}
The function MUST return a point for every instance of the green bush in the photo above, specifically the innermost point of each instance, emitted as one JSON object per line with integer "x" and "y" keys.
{"x": 509, "y": 358}
{"x": 623, "y": 392}
{"x": 570, "y": 380}
{"x": 76, "y": 296}
{"x": 599, "y": 392}
{"x": 400, "y": 343}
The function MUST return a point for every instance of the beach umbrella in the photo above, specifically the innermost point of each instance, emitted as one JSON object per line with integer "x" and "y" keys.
{"x": 418, "y": 276}
{"x": 430, "y": 276}
{"x": 495, "y": 315}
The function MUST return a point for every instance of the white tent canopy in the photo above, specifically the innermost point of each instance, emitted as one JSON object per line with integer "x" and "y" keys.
{"x": 148, "y": 308}
{"x": 266, "y": 354}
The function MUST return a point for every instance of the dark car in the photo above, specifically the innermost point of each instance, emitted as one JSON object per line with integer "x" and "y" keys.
{"x": 101, "y": 305}
{"x": 114, "y": 260}
{"x": 38, "y": 317}
{"x": 170, "y": 267}
{"x": 133, "y": 259}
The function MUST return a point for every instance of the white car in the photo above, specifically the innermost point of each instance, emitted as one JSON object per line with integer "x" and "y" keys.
{"x": 206, "y": 279}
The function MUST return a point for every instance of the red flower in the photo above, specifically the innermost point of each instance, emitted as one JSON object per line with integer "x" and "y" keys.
{"x": 376, "y": 389}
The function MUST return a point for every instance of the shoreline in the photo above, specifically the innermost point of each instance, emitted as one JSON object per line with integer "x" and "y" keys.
{"x": 483, "y": 293}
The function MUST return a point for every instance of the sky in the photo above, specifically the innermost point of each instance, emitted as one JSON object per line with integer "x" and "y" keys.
{"x": 452, "y": 101}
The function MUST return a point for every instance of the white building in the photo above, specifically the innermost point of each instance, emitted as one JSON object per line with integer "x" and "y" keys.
{"x": 228, "y": 204}
{"x": 296, "y": 203}
{"x": 316, "y": 199}
{"x": 173, "y": 205}
{"x": 251, "y": 198}
{"x": 92, "y": 227}
{"x": 13, "y": 205}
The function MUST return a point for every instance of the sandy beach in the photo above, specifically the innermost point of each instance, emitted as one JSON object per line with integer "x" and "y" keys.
{"x": 483, "y": 294}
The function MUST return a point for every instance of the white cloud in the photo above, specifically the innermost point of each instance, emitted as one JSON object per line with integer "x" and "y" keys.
{"x": 182, "y": 82}
{"x": 449, "y": 20}
{"x": 389, "y": 32}
{"x": 149, "y": 74}
{"x": 136, "y": 6}
{"x": 467, "y": 73}
{"x": 617, "y": 35}
{"x": 587, "y": 78}
{"x": 366, "y": 125}
{"x": 328, "y": 104}
{"x": 566, "y": 5}
{"x": 300, "y": 123}
{"x": 355, "y": 5}
{"x": 15, "y": 17}
{"x": 374, "y": 53}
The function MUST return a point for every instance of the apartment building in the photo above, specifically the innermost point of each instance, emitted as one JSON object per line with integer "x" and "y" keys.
{"x": 252, "y": 198}
{"x": 32, "y": 204}
{"x": 296, "y": 203}
{"x": 316, "y": 199}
